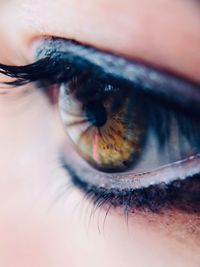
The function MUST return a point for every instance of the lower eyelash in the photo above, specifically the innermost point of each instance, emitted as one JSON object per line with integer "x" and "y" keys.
{"x": 183, "y": 196}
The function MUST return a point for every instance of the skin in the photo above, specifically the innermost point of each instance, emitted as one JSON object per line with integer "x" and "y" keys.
{"x": 42, "y": 222}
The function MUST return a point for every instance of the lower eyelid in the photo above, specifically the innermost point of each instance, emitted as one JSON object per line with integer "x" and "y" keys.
{"x": 179, "y": 170}
{"x": 182, "y": 196}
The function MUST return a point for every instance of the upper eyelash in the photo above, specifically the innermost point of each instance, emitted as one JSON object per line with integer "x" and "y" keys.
{"x": 40, "y": 70}
{"x": 59, "y": 60}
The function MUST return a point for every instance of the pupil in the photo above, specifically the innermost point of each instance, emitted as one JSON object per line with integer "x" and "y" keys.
{"x": 96, "y": 113}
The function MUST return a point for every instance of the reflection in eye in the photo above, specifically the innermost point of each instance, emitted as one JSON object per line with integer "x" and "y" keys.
{"x": 138, "y": 128}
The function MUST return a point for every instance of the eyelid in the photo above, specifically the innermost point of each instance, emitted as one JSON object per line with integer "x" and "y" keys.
{"x": 175, "y": 89}
{"x": 56, "y": 56}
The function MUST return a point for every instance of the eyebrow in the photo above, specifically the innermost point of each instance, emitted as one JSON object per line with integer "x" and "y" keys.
{"x": 56, "y": 55}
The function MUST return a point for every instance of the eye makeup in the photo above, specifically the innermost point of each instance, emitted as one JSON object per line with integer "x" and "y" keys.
{"x": 60, "y": 62}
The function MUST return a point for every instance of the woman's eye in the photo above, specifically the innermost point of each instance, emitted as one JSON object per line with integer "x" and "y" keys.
{"x": 117, "y": 129}
{"x": 134, "y": 131}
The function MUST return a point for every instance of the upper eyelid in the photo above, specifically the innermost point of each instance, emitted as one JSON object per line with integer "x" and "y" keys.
{"x": 56, "y": 51}
{"x": 138, "y": 74}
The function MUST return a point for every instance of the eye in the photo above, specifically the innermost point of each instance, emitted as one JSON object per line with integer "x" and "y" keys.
{"x": 133, "y": 130}
{"x": 115, "y": 128}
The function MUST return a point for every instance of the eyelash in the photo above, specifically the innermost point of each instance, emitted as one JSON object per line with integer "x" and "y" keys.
{"x": 153, "y": 198}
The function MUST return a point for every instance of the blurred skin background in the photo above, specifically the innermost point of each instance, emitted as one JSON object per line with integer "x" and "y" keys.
{"x": 44, "y": 223}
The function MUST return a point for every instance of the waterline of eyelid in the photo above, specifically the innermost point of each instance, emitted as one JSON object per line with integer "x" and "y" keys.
{"x": 179, "y": 170}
